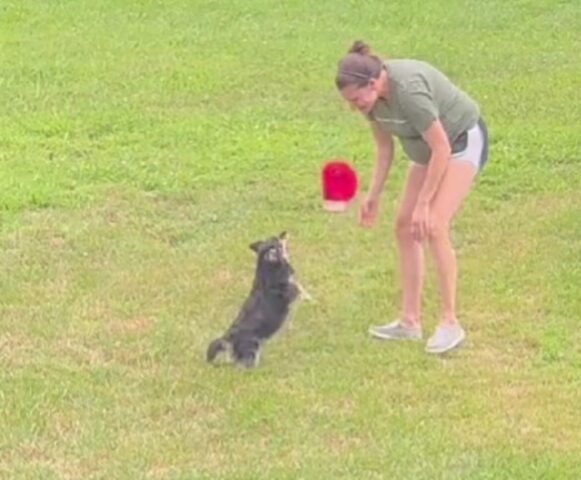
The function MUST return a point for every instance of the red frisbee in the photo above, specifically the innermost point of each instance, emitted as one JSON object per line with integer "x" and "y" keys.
{"x": 339, "y": 185}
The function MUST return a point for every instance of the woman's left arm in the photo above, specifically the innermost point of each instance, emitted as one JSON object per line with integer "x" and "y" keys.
{"x": 417, "y": 103}
{"x": 422, "y": 218}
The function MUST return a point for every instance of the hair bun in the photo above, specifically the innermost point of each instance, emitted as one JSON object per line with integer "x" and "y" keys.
{"x": 359, "y": 47}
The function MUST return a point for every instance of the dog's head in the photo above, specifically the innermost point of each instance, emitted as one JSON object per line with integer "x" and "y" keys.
{"x": 273, "y": 268}
{"x": 272, "y": 251}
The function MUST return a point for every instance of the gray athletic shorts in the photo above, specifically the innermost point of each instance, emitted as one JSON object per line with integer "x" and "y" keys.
{"x": 472, "y": 145}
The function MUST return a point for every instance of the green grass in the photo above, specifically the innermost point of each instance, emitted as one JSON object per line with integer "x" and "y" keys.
{"x": 144, "y": 144}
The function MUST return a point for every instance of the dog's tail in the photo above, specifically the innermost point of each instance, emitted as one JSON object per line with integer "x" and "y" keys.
{"x": 215, "y": 347}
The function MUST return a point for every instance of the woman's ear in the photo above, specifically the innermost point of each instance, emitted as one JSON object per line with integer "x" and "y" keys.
{"x": 375, "y": 84}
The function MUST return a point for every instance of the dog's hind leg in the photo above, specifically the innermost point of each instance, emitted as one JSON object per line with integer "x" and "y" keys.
{"x": 247, "y": 351}
{"x": 215, "y": 347}
{"x": 250, "y": 360}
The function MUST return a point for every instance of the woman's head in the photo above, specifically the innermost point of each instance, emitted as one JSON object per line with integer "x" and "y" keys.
{"x": 359, "y": 77}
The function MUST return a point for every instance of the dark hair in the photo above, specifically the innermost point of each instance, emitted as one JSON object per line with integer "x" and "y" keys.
{"x": 358, "y": 67}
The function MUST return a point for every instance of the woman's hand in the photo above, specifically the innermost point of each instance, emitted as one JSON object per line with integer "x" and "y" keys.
{"x": 421, "y": 222}
{"x": 368, "y": 210}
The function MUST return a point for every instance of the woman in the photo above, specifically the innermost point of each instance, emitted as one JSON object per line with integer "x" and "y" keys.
{"x": 440, "y": 130}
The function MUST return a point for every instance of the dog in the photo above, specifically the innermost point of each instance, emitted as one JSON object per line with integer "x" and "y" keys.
{"x": 266, "y": 308}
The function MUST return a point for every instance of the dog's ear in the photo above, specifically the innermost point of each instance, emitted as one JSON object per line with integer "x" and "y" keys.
{"x": 283, "y": 235}
{"x": 255, "y": 246}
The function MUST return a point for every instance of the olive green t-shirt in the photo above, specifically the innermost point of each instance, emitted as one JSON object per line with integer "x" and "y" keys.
{"x": 418, "y": 95}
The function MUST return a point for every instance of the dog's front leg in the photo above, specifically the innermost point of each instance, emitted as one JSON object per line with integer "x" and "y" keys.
{"x": 303, "y": 294}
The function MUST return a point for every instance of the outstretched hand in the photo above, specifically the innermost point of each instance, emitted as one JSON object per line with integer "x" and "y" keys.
{"x": 368, "y": 211}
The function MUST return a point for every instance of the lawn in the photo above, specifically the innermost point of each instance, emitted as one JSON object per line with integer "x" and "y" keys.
{"x": 145, "y": 143}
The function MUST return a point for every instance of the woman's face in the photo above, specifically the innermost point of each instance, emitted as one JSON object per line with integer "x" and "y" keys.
{"x": 361, "y": 98}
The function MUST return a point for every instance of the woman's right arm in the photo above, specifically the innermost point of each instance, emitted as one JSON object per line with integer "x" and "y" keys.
{"x": 369, "y": 208}
{"x": 383, "y": 160}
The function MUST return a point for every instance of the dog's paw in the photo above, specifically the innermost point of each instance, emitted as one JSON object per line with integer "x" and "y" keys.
{"x": 306, "y": 296}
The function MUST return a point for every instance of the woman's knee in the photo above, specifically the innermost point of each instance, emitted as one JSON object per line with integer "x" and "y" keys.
{"x": 403, "y": 227}
{"x": 439, "y": 231}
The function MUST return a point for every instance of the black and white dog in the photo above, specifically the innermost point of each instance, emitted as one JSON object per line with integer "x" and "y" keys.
{"x": 266, "y": 308}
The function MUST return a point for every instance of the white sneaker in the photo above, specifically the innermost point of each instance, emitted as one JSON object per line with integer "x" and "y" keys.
{"x": 396, "y": 331}
{"x": 445, "y": 338}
